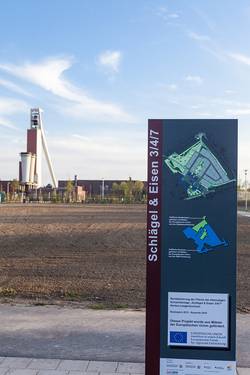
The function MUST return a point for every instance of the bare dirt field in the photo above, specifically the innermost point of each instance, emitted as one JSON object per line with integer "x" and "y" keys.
{"x": 243, "y": 280}
{"x": 92, "y": 253}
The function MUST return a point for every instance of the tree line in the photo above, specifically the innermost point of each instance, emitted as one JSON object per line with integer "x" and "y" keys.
{"x": 130, "y": 191}
{"x": 124, "y": 192}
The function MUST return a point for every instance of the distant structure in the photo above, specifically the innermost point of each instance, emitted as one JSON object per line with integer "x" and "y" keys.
{"x": 30, "y": 166}
{"x": 95, "y": 187}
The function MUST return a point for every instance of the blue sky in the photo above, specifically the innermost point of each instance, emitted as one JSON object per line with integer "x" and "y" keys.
{"x": 100, "y": 69}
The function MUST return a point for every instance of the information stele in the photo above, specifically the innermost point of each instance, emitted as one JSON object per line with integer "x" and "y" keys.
{"x": 191, "y": 247}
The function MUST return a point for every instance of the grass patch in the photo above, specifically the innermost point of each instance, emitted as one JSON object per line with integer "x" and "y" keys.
{"x": 8, "y": 292}
{"x": 71, "y": 296}
{"x": 108, "y": 306}
{"x": 98, "y": 306}
{"x": 119, "y": 306}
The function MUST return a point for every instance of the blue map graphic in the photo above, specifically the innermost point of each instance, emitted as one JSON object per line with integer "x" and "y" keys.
{"x": 204, "y": 236}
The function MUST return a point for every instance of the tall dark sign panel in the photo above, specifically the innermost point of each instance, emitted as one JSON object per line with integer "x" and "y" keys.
{"x": 191, "y": 247}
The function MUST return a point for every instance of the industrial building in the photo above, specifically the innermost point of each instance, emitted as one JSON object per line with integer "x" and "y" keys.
{"x": 29, "y": 186}
{"x": 30, "y": 166}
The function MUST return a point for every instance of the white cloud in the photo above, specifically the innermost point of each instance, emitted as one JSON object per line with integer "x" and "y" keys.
{"x": 232, "y": 107}
{"x": 10, "y": 107}
{"x": 174, "y": 101}
{"x": 164, "y": 13}
{"x": 205, "y": 19}
{"x": 168, "y": 86}
{"x": 48, "y": 74}
{"x": 10, "y": 149}
{"x": 198, "y": 37}
{"x": 6, "y": 123}
{"x": 239, "y": 111}
{"x": 99, "y": 155}
{"x": 195, "y": 79}
{"x": 104, "y": 112}
{"x": 173, "y": 15}
{"x": 110, "y": 60}
{"x": 229, "y": 92}
{"x": 206, "y": 114}
{"x": 13, "y": 87}
{"x": 208, "y": 45}
{"x": 172, "y": 86}
{"x": 244, "y": 59}
{"x": 81, "y": 137}
{"x": 115, "y": 156}
{"x": 110, "y": 147}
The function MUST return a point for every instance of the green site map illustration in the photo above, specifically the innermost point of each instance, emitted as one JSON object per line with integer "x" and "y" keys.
{"x": 201, "y": 172}
{"x": 204, "y": 236}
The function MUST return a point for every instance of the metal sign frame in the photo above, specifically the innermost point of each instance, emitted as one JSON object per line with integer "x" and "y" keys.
{"x": 191, "y": 247}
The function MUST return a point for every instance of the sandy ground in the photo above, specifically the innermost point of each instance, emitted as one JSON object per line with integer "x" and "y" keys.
{"x": 93, "y": 253}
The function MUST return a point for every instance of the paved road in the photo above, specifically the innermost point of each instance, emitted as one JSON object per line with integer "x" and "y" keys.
{"x": 244, "y": 213}
{"x": 73, "y": 333}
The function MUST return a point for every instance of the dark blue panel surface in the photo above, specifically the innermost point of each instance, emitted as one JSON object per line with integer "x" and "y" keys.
{"x": 199, "y": 169}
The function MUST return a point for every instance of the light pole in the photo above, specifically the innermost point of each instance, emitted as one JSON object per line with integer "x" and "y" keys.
{"x": 103, "y": 189}
{"x": 8, "y": 191}
{"x": 245, "y": 170}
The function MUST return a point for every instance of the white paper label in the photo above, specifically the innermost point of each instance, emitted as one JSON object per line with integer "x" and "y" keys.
{"x": 198, "y": 319}
{"x": 170, "y": 366}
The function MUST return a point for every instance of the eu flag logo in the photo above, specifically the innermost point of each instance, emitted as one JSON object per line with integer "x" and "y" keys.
{"x": 178, "y": 337}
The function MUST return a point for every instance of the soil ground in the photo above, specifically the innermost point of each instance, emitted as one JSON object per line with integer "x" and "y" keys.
{"x": 93, "y": 254}
{"x": 243, "y": 260}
